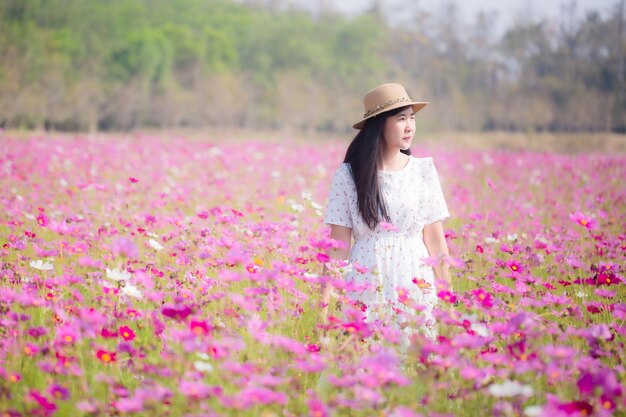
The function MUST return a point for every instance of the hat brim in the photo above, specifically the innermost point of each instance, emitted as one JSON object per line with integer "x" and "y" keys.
{"x": 417, "y": 106}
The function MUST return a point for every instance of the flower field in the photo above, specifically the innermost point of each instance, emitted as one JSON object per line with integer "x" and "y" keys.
{"x": 155, "y": 276}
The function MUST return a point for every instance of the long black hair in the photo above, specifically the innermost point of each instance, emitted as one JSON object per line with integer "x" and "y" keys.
{"x": 363, "y": 155}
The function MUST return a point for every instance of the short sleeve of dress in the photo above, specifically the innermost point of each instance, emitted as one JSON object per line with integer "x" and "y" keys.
{"x": 433, "y": 205}
{"x": 338, "y": 207}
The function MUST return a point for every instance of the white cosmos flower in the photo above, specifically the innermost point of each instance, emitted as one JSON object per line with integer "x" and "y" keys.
{"x": 316, "y": 206}
{"x": 480, "y": 329}
{"x": 511, "y": 237}
{"x": 297, "y": 207}
{"x": 490, "y": 239}
{"x": 203, "y": 366}
{"x": 41, "y": 265}
{"x": 155, "y": 245}
{"x": 533, "y": 410}
{"x": 510, "y": 389}
{"x": 131, "y": 291}
{"x": 306, "y": 195}
{"x": 117, "y": 275}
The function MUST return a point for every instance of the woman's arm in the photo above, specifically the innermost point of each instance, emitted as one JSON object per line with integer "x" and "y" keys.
{"x": 342, "y": 234}
{"x": 435, "y": 242}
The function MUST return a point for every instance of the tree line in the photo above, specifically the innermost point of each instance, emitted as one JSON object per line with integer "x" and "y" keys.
{"x": 126, "y": 64}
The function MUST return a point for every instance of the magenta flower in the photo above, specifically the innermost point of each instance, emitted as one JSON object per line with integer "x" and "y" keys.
{"x": 42, "y": 220}
{"x": 127, "y": 333}
{"x": 37, "y": 332}
{"x": 200, "y": 328}
{"x": 514, "y": 266}
{"x": 316, "y": 407}
{"x": 358, "y": 327}
{"x": 59, "y": 392}
{"x": 252, "y": 396}
{"x": 447, "y": 296}
{"x": 580, "y": 408}
{"x": 483, "y": 297}
{"x": 46, "y": 407}
{"x": 123, "y": 246}
{"x": 30, "y": 349}
{"x": 594, "y": 307}
{"x": 108, "y": 334}
{"x": 129, "y": 405}
{"x": 322, "y": 257}
{"x": 382, "y": 369}
{"x": 404, "y": 412}
{"x": 603, "y": 380}
{"x": 584, "y": 220}
{"x": 176, "y": 312}
{"x": 198, "y": 390}
{"x": 67, "y": 335}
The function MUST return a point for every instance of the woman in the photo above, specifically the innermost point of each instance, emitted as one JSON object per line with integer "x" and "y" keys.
{"x": 392, "y": 204}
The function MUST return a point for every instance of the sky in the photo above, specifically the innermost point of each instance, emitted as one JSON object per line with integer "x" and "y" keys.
{"x": 508, "y": 11}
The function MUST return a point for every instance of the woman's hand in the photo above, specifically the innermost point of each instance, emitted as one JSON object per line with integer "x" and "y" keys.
{"x": 435, "y": 242}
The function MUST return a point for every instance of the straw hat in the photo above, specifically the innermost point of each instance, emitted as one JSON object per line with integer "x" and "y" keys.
{"x": 387, "y": 97}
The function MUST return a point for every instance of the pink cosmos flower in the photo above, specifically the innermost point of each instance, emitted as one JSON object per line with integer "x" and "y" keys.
{"x": 604, "y": 380}
{"x": 197, "y": 390}
{"x": 176, "y": 312}
{"x": 357, "y": 327}
{"x": 447, "y": 296}
{"x": 127, "y": 333}
{"x": 594, "y": 307}
{"x": 403, "y": 295}
{"x": 30, "y": 349}
{"x": 67, "y": 335}
{"x": 483, "y": 297}
{"x": 514, "y": 266}
{"x": 59, "y": 392}
{"x": 42, "y": 220}
{"x": 312, "y": 347}
{"x": 404, "y": 412}
{"x": 106, "y": 333}
{"x": 46, "y": 407}
{"x": 252, "y": 396}
{"x": 129, "y": 405}
{"x": 580, "y": 408}
{"x": 316, "y": 407}
{"x": 105, "y": 356}
{"x": 123, "y": 246}
{"x": 37, "y": 332}
{"x": 322, "y": 257}
{"x": 200, "y": 328}
{"x": 584, "y": 220}
{"x": 87, "y": 406}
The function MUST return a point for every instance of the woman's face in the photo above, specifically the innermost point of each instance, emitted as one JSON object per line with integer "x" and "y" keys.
{"x": 399, "y": 130}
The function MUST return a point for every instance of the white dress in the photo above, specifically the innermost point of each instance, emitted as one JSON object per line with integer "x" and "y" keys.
{"x": 386, "y": 262}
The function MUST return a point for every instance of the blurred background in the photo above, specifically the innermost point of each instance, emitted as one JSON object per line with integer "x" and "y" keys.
{"x": 117, "y": 65}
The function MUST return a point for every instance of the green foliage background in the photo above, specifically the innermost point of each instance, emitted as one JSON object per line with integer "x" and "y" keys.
{"x": 123, "y": 64}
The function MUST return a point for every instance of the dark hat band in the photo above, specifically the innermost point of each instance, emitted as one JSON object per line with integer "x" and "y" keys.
{"x": 385, "y": 105}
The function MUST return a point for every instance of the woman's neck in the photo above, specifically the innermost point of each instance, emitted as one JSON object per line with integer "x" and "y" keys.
{"x": 393, "y": 160}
